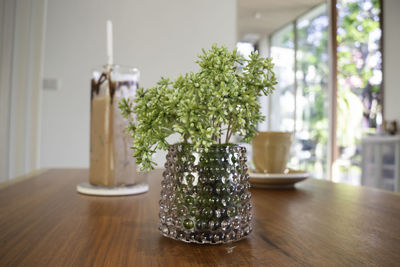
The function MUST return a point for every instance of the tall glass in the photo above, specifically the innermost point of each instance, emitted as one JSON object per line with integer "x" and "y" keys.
{"x": 111, "y": 161}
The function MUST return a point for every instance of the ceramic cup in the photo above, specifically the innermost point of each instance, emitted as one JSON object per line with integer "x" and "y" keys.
{"x": 271, "y": 151}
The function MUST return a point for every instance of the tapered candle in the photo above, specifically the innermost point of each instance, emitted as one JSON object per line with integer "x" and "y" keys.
{"x": 109, "y": 43}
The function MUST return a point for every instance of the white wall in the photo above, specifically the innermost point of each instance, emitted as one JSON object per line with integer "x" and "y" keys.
{"x": 391, "y": 73}
{"x": 161, "y": 38}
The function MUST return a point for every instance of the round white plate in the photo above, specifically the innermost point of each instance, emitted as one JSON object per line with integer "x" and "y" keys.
{"x": 277, "y": 180}
{"x": 89, "y": 189}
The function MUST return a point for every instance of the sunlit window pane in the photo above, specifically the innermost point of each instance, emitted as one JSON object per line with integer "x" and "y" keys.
{"x": 312, "y": 68}
{"x": 283, "y": 100}
{"x": 359, "y": 102}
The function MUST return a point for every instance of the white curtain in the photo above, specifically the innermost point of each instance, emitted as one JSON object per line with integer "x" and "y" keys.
{"x": 7, "y": 25}
{"x": 22, "y": 28}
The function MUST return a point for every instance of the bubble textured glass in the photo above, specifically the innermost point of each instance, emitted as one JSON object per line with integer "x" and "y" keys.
{"x": 205, "y": 196}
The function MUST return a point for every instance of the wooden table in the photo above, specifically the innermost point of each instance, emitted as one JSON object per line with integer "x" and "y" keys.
{"x": 45, "y": 222}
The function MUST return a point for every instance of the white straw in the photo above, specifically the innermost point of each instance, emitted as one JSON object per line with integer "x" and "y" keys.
{"x": 109, "y": 43}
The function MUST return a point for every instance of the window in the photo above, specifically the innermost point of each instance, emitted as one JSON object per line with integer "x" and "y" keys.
{"x": 359, "y": 98}
{"x": 301, "y": 100}
{"x": 312, "y": 126}
{"x": 283, "y": 99}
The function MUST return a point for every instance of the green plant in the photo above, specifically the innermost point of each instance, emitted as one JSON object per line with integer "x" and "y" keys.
{"x": 205, "y": 107}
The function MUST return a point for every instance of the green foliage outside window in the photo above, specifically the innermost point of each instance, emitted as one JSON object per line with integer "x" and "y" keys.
{"x": 359, "y": 95}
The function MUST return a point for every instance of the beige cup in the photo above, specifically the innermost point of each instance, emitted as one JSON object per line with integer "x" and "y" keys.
{"x": 271, "y": 151}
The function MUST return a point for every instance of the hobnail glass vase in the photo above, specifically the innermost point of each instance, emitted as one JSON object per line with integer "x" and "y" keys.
{"x": 205, "y": 195}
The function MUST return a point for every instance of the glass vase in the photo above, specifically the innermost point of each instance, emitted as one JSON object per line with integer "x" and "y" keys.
{"x": 205, "y": 195}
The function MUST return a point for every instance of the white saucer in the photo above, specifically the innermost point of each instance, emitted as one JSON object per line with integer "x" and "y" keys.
{"x": 277, "y": 180}
{"x": 89, "y": 189}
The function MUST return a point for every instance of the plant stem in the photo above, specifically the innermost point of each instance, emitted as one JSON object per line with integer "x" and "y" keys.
{"x": 230, "y": 135}
{"x": 213, "y": 137}
{"x": 220, "y": 133}
{"x": 227, "y": 131}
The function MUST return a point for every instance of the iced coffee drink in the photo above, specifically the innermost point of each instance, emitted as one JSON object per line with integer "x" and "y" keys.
{"x": 111, "y": 161}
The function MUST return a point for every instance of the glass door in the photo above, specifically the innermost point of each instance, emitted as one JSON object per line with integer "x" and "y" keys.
{"x": 282, "y": 102}
{"x": 312, "y": 126}
{"x": 359, "y": 78}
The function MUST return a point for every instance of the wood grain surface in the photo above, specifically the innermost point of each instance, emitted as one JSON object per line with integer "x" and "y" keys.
{"x": 45, "y": 222}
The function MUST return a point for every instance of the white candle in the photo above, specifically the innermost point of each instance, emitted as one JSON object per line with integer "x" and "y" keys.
{"x": 109, "y": 43}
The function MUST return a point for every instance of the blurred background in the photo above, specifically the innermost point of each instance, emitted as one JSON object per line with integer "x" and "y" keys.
{"x": 336, "y": 63}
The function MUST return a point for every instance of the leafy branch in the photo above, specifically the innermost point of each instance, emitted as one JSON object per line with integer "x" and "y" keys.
{"x": 201, "y": 107}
